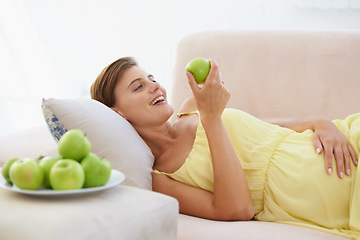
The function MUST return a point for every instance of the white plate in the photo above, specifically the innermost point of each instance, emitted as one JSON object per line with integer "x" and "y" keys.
{"x": 116, "y": 178}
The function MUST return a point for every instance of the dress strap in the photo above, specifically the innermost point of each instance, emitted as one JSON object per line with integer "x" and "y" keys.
{"x": 158, "y": 172}
{"x": 179, "y": 115}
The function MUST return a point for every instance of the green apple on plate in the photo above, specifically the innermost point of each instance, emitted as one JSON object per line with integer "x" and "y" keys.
{"x": 6, "y": 169}
{"x": 74, "y": 145}
{"x": 66, "y": 174}
{"x": 26, "y": 174}
{"x": 199, "y": 68}
{"x": 46, "y": 163}
{"x": 97, "y": 170}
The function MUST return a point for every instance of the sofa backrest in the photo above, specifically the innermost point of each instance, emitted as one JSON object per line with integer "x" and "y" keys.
{"x": 282, "y": 77}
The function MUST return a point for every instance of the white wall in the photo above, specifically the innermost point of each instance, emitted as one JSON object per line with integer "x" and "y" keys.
{"x": 53, "y": 48}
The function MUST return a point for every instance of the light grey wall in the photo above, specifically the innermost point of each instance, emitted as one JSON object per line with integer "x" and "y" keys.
{"x": 52, "y": 48}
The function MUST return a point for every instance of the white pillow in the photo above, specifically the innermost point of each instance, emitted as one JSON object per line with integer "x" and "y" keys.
{"x": 111, "y": 136}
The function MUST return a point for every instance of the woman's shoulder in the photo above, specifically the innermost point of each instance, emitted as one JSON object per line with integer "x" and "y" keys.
{"x": 189, "y": 105}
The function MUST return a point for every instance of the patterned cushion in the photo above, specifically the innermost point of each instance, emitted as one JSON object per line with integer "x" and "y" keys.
{"x": 56, "y": 128}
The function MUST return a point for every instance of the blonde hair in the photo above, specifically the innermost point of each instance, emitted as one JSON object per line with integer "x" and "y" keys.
{"x": 102, "y": 89}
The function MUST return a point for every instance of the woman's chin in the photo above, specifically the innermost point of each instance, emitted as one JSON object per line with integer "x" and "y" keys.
{"x": 166, "y": 107}
{"x": 170, "y": 113}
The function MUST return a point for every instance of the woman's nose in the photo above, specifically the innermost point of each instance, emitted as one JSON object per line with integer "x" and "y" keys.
{"x": 154, "y": 86}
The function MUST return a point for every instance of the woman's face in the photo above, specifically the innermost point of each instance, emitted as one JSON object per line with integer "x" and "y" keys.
{"x": 140, "y": 99}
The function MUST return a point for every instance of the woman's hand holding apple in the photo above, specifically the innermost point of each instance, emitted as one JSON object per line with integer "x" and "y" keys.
{"x": 212, "y": 97}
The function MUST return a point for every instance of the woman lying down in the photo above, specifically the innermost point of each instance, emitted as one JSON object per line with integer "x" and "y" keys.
{"x": 224, "y": 164}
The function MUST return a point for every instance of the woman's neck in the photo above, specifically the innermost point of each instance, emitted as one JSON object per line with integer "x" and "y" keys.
{"x": 158, "y": 138}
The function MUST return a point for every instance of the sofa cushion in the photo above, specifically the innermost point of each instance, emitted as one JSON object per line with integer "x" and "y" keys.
{"x": 111, "y": 136}
{"x": 197, "y": 229}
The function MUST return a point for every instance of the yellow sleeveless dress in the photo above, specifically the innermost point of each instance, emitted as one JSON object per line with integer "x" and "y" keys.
{"x": 287, "y": 178}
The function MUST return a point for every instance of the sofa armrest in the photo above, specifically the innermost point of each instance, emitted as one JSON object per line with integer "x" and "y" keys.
{"x": 121, "y": 212}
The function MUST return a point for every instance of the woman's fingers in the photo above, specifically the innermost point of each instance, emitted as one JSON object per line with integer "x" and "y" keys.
{"x": 319, "y": 149}
{"x": 328, "y": 159}
{"x": 346, "y": 160}
{"x": 214, "y": 72}
{"x": 329, "y": 140}
{"x": 192, "y": 82}
{"x": 339, "y": 160}
{"x": 342, "y": 155}
{"x": 317, "y": 143}
{"x": 352, "y": 154}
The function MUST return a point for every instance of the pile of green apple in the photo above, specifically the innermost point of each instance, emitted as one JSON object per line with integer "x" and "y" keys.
{"x": 76, "y": 167}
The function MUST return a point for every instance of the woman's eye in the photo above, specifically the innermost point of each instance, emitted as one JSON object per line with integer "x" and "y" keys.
{"x": 153, "y": 80}
{"x": 138, "y": 87}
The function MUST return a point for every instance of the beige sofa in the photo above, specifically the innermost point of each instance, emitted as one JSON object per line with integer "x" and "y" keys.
{"x": 279, "y": 76}
{"x": 282, "y": 77}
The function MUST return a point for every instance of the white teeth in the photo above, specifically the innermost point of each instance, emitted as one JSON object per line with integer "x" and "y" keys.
{"x": 159, "y": 99}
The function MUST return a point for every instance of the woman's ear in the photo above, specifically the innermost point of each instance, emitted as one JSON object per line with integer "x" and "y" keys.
{"x": 117, "y": 111}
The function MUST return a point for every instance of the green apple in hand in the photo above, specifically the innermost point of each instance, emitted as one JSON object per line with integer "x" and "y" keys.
{"x": 46, "y": 163}
{"x": 97, "y": 170}
{"x": 66, "y": 174}
{"x": 199, "y": 68}
{"x": 6, "y": 169}
{"x": 26, "y": 174}
{"x": 74, "y": 145}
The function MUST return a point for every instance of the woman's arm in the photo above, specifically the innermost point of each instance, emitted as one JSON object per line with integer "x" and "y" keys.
{"x": 300, "y": 127}
{"x": 231, "y": 197}
{"x": 195, "y": 201}
{"x": 231, "y": 192}
{"x": 328, "y": 138}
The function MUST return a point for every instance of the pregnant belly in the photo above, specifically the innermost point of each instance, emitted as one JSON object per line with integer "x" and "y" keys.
{"x": 299, "y": 189}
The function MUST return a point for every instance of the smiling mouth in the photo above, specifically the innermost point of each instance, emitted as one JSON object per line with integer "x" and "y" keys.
{"x": 157, "y": 100}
